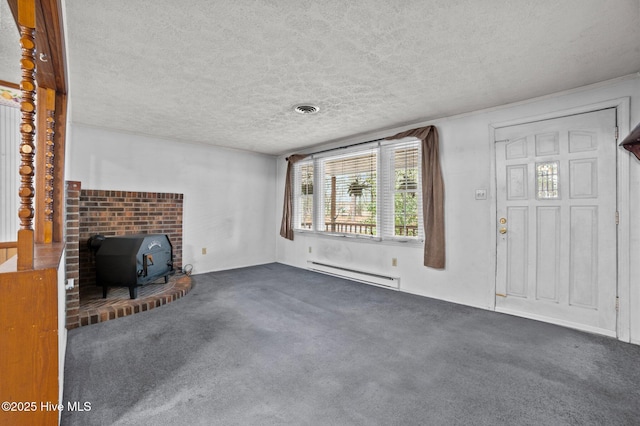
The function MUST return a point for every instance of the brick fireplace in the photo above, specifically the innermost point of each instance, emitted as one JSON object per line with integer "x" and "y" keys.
{"x": 106, "y": 212}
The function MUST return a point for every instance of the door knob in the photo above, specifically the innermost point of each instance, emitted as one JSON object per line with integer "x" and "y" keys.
{"x": 503, "y": 220}
{"x": 503, "y": 230}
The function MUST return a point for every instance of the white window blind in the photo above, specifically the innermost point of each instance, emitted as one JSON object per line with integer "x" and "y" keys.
{"x": 303, "y": 180}
{"x": 9, "y": 176}
{"x": 349, "y": 195}
{"x": 401, "y": 178}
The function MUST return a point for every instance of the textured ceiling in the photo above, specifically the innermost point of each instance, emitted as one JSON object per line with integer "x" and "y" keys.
{"x": 228, "y": 72}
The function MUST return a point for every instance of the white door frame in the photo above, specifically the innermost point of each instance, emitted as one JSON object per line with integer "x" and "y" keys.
{"x": 622, "y": 106}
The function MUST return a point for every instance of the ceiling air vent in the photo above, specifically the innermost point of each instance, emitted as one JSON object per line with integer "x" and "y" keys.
{"x": 306, "y": 109}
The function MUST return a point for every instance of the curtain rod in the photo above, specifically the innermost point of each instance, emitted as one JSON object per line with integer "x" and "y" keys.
{"x": 343, "y": 147}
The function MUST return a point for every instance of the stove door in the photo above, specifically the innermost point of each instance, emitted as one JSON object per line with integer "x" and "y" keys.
{"x": 155, "y": 264}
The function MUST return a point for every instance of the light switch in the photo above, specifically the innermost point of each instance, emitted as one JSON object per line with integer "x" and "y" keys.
{"x": 481, "y": 194}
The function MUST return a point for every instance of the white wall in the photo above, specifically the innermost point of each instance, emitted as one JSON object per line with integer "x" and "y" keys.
{"x": 466, "y": 156}
{"x": 229, "y": 204}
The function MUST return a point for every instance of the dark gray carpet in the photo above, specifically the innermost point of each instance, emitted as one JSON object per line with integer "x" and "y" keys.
{"x": 273, "y": 344}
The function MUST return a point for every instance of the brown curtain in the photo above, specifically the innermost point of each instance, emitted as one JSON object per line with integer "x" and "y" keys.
{"x": 432, "y": 195}
{"x": 286, "y": 227}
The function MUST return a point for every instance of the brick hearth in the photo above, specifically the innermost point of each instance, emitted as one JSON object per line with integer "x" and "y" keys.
{"x": 95, "y": 309}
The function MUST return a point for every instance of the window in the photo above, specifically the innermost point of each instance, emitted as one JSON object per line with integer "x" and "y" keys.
{"x": 371, "y": 192}
{"x": 349, "y": 199}
{"x": 9, "y": 165}
{"x": 303, "y": 184}
{"x": 404, "y": 204}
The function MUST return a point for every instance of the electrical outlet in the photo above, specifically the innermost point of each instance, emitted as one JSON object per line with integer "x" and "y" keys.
{"x": 70, "y": 284}
{"x": 394, "y": 261}
{"x": 204, "y": 250}
{"x": 309, "y": 249}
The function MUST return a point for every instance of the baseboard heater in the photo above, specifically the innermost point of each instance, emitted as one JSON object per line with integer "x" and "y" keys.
{"x": 352, "y": 274}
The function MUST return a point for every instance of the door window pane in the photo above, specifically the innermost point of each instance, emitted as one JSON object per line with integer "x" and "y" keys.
{"x": 547, "y": 181}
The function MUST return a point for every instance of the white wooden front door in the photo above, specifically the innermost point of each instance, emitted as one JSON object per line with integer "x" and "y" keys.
{"x": 556, "y": 213}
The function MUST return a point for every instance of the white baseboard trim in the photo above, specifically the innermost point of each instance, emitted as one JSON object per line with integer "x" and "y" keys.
{"x": 563, "y": 323}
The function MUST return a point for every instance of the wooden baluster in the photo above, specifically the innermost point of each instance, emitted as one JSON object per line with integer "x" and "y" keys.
{"x": 26, "y": 21}
{"x": 44, "y": 163}
{"x": 49, "y": 169}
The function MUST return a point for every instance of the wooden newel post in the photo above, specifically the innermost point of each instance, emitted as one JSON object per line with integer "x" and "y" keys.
{"x": 26, "y": 21}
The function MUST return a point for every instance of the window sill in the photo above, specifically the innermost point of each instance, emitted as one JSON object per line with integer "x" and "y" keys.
{"x": 362, "y": 238}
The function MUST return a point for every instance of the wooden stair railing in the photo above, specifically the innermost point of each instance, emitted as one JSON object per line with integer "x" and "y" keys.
{"x": 42, "y": 127}
{"x": 32, "y": 299}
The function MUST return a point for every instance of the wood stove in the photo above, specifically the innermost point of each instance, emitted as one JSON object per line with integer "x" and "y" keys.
{"x": 132, "y": 261}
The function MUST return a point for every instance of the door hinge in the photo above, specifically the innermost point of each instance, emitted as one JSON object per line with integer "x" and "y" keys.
{"x": 617, "y": 133}
{"x": 617, "y": 218}
{"x": 617, "y": 303}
